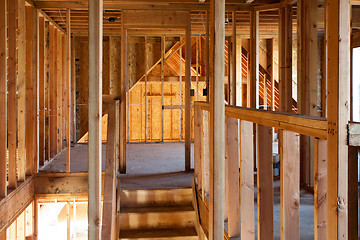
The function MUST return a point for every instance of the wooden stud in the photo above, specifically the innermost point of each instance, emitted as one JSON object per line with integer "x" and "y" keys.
{"x": 239, "y": 76}
{"x": 21, "y": 226}
{"x": 52, "y": 91}
{"x": 12, "y": 98}
{"x": 35, "y": 89}
{"x": 289, "y": 185}
{"x": 95, "y": 114}
{"x": 285, "y": 59}
{"x": 41, "y": 91}
{"x": 123, "y": 87}
{"x": 337, "y": 26}
{"x": 188, "y": 47}
{"x": 29, "y": 91}
{"x": 68, "y": 221}
{"x": 59, "y": 90}
{"x": 198, "y": 150}
{"x": 197, "y": 66}
{"x": 232, "y": 175}
{"x": 3, "y": 98}
{"x": 35, "y": 205}
{"x": 217, "y": 119}
{"x": 206, "y": 54}
{"x": 21, "y": 89}
{"x": 109, "y": 205}
{"x": 254, "y": 59}
{"x": 233, "y": 60}
{"x": 247, "y": 180}
{"x": 12, "y": 231}
{"x": 320, "y": 189}
{"x": 264, "y": 182}
{"x": 68, "y": 89}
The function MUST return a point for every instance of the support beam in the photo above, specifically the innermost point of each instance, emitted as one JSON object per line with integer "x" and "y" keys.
{"x": 337, "y": 29}
{"x": 12, "y": 98}
{"x": 95, "y": 113}
{"x": 68, "y": 88}
{"x": 123, "y": 87}
{"x": 265, "y": 194}
{"x": 289, "y": 185}
{"x": 3, "y": 98}
{"x": 217, "y": 119}
{"x": 188, "y": 47}
{"x": 21, "y": 61}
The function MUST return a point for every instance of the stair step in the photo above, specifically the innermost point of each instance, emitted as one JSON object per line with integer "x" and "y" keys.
{"x": 157, "y": 197}
{"x": 157, "y": 218}
{"x": 182, "y": 233}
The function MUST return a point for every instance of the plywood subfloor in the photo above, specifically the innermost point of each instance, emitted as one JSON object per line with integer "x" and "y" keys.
{"x": 149, "y": 166}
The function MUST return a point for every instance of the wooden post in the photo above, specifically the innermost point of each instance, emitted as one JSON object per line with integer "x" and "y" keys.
{"x": 12, "y": 98}
{"x": 254, "y": 59}
{"x": 123, "y": 87}
{"x": 207, "y": 54}
{"x": 29, "y": 91}
{"x": 264, "y": 182}
{"x": 35, "y": 219}
{"x": 52, "y": 91}
{"x": 232, "y": 175}
{"x": 3, "y": 98}
{"x": 41, "y": 91}
{"x": 285, "y": 59}
{"x": 337, "y": 28}
{"x": 239, "y": 77}
{"x": 59, "y": 93}
{"x": 68, "y": 87}
{"x": 95, "y": 114}
{"x": 109, "y": 208}
{"x": 233, "y": 68}
{"x": 320, "y": 189}
{"x": 247, "y": 180}
{"x": 289, "y": 185}
{"x": 188, "y": 46}
{"x": 198, "y": 143}
{"x": 217, "y": 119}
{"x": 68, "y": 222}
{"x": 35, "y": 89}
{"x": 21, "y": 89}
{"x": 162, "y": 85}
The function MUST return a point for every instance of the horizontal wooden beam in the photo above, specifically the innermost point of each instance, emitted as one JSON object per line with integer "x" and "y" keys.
{"x": 354, "y": 134}
{"x": 306, "y": 125}
{"x": 16, "y": 202}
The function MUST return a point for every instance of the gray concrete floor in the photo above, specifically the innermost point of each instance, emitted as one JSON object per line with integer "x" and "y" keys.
{"x": 161, "y": 165}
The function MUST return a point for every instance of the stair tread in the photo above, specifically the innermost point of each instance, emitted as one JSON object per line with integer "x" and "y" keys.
{"x": 156, "y": 209}
{"x": 158, "y": 233}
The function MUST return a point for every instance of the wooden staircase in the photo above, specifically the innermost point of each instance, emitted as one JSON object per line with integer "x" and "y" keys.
{"x": 157, "y": 214}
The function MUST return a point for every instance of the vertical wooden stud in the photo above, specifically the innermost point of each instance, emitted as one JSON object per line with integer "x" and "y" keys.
{"x": 188, "y": 47}
{"x": 254, "y": 59}
{"x": 68, "y": 88}
{"x": 123, "y": 87}
{"x": 95, "y": 114}
{"x": 41, "y": 91}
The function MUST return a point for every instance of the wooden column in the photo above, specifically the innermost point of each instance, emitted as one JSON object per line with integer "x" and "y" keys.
{"x": 68, "y": 89}
{"x": 320, "y": 150}
{"x": 247, "y": 180}
{"x": 52, "y": 91}
{"x": 188, "y": 46}
{"x": 29, "y": 92}
{"x": 3, "y": 98}
{"x": 35, "y": 88}
{"x": 95, "y": 114}
{"x": 21, "y": 89}
{"x": 109, "y": 206}
{"x": 207, "y": 54}
{"x": 337, "y": 25}
{"x": 239, "y": 77}
{"x": 59, "y": 93}
{"x": 41, "y": 91}
{"x": 12, "y": 97}
{"x": 198, "y": 147}
{"x": 233, "y": 67}
{"x": 232, "y": 177}
{"x": 285, "y": 59}
{"x": 264, "y": 183}
{"x": 123, "y": 87}
{"x": 217, "y": 119}
{"x": 254, "y": 59}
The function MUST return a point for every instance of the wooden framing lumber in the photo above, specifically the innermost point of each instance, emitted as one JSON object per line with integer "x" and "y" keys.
{"x": 21, "y": 44}
{"x": 95, "y": 113}
{"x": 12, "y": 98}
{"x": 289, "y": 185}
{"x": 198, "y": 144}
{"x": 68, "y": 89}
{"x": 3, "y": 98}
{"x": 320, "y": 151}
{"x": 232, "y": 175}
{"x": 41, "y": 91}
{"x": 254, "y": 59}
{"x": 109, "y": 203}
{"x": 264, "y": 182}
{"x": 247, "y": 180}
{"x": 16, "y": 202}
{"x": 337, "y": 26}
{"x": 35, "y": 89}
{"x": 188, "y": 47}
{"x": 233, "y": 61}
{"x": 123, "y": 89}
{"x": 217, "y": 120}
{"x": 29, "y": 92}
